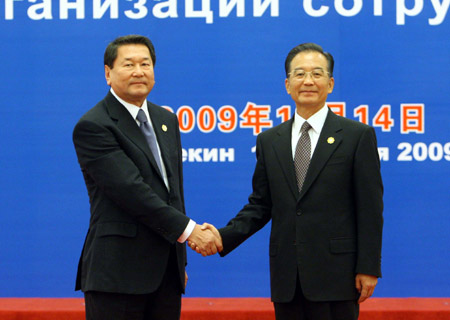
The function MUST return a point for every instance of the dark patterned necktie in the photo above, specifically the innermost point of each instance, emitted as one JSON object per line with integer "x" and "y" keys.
{"x": 149, "y": 133}
{"x": 302, "y": 155}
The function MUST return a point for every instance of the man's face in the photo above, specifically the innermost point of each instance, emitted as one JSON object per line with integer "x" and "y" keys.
{"x": 132, "y": 76}
{"x": 310, "y": 91}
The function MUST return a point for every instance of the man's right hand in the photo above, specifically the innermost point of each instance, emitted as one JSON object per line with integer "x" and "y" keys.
{"x": 204, "y": 240}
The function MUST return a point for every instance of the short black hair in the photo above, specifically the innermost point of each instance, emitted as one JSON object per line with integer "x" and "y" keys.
{"x": 308, "y": 47}
{"x": 112, "y": 48}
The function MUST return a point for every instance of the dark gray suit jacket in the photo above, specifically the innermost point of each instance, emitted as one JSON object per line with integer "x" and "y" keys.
{"x": 135, "y": 221}
{"x": 329, "y": 232}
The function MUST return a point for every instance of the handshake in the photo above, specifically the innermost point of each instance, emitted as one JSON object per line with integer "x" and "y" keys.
{"x": 205, "y": 239}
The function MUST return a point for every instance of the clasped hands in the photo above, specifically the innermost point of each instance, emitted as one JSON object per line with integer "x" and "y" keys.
{"x": 205, "y": 239}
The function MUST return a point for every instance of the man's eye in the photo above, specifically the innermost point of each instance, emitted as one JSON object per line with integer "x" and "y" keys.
{"x": 300, "y": 74}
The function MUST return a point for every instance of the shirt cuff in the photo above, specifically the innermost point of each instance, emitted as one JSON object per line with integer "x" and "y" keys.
{"x": 187, "y": 232}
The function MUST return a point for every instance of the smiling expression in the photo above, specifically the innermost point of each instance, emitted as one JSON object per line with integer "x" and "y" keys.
{"x": 309, "y": 94}
{"x": 132, "y": 77}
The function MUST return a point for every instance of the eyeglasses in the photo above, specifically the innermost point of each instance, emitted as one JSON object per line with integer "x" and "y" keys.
{"x": 316, "y": 74}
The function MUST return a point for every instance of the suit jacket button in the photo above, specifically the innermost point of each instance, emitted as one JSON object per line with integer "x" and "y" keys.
{"x": 299, "y": 213}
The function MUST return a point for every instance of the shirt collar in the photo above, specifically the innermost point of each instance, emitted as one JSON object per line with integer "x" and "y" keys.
{"x": 132, "y": 109}
{"x": 317, "y": 120}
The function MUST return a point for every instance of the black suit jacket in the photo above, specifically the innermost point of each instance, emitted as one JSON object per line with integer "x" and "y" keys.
{"x": 329, "y": 232}
{"x": 135, "y": 220}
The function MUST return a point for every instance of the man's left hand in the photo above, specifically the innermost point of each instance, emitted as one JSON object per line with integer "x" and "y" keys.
{"x": 365, "y": 284}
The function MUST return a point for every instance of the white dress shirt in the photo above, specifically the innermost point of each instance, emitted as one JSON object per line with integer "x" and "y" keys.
{"x": 317, "y": 120}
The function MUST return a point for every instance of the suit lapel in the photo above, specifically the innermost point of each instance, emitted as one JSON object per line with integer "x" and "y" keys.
{"x": 324, "y": 149}
{"x": 129, "y": 127}
{"x": 283, "y": 151}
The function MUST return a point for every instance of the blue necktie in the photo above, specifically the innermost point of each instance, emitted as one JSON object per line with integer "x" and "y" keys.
{"x": 149, "y": 134}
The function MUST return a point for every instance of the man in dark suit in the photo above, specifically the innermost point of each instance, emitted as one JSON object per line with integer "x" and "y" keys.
{"x": 317, "y": 177}
{"x": 133, "y": 261}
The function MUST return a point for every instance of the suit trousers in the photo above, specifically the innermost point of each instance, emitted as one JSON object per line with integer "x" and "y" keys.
{"x": 301, "y": 308}
{"x": 164, "y": 303}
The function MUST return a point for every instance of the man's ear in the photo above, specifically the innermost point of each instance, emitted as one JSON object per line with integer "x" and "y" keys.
{"x": 108, "y": 75}
{"x": 330, "y": 85}
{"x": 288, "y": 87}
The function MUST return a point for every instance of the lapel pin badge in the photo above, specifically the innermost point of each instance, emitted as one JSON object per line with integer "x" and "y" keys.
{"x": 164, "y": 127}
{"x": 330, "y": 140}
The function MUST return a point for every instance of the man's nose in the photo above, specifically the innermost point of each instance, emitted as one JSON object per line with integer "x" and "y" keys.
{"x": 138, "y": 72}
{"x": 308, "y": 78}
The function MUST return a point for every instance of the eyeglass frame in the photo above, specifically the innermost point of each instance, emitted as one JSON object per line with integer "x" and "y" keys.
{"x": 310, "y": 74}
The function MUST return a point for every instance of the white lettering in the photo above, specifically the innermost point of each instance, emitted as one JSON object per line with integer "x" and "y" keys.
{"x": 402, "y": 11}
{"x": 377, "y": 7}
{"x": 307, "y": 5}
{"x": 99, "y": 8}
{"x": 65, "y": 5}
{"x": 383, "y": 153}
{"x": 9, "y": 9}
{"x": 435, "y": 151}
{"x": 42, "y": 9}
{"x": 140, "y": 7}
{"x": 194, "y": 155}
{"x": 447, "y": 151}
{"x": 205, "y": 12}
{"x": 208, "y": 155}
{"x": 421, "y": 151}
{"x": 170, "y": 7}
{"x": 225, "y": 7}
{"x": 405, "y": 155}
{"x": 260, "y": 6}
{"x": 339, "y": 5}
{"x": 441, "y": 11}
{"x": 45, "y": 6}
{"x": 226, "y": 154}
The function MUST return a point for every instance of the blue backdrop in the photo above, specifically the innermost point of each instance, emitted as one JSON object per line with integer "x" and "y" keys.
{"x": 220, "y": 66}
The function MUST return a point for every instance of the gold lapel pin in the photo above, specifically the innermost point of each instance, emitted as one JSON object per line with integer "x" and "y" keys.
{"x": 330, "y": 140}
{"x": 164, "y": 127}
